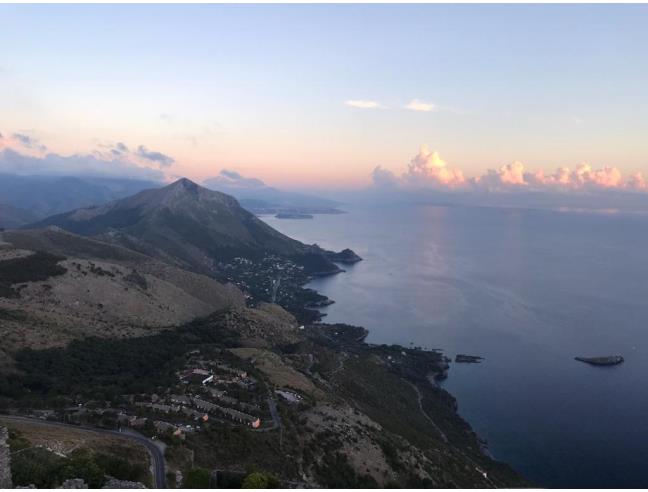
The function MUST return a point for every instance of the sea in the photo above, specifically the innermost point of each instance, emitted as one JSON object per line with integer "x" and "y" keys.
{"x": 528, "y": 290}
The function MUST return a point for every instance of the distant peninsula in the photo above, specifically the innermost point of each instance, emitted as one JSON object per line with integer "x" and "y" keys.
{"x": 293, "y": 215}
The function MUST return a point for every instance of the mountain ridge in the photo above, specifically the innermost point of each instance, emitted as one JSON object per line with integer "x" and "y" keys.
{"x": 191, "y": 226}
{"x": 45, "y": 195}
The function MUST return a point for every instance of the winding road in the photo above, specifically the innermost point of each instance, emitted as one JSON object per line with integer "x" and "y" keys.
{"x": 425, "y": 414}
{"x": 157, "y": 457}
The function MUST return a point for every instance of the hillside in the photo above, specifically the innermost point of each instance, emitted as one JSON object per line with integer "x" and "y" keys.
{"x": 189, "y": 226}
{"x": 56, "y": 287}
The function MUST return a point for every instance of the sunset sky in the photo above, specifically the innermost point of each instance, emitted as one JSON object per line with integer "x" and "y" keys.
{"x": 320, "y": 95}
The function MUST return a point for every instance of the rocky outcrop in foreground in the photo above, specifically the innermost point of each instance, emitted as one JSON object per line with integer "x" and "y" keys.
{"x": 5, "y": 469}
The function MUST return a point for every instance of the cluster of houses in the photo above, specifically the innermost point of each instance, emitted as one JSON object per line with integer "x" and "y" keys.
{"x": 222, "y": 374}
{"x": 200, "y": 409}
{"x": 256, "y": 278}
{"x": 205, "y": 398}
{"x": 209, "y": 390}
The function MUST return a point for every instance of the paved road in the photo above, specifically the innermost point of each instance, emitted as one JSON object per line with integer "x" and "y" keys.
{"x": 159, "y": 465}
{"x": 276, "y": 419}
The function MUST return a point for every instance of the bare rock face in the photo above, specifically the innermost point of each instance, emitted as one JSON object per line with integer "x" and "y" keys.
{"x": 74, "y": 483}
{"x": 5, "y": 468}
{"x": 113, "y": 483}
{"x": 264, "y": 326}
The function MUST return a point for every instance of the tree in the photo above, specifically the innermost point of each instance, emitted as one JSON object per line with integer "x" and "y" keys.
{"x": 197, "y": 478}
{"x": 260, "y": 480}
{"x": 81, "y": 464}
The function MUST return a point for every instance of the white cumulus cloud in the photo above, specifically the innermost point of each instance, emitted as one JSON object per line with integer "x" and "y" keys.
{"x": 363, "y": 104}
{"x": 428, "y": 170}
{"x": 418, "y": 105}
{"x": 427, "y": 167}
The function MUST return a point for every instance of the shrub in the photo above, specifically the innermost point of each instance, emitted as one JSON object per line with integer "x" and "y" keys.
{"x": 197, "y": 478}
{"x": 260, "y": 480}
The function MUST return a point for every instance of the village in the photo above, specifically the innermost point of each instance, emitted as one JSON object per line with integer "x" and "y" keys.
{"x": 277, "y": 280}
{"x": 208, "y": 391}
{"x": 270, "y": 278}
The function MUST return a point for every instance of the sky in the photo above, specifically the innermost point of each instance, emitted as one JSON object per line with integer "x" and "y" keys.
{"x": 330, "y": 95}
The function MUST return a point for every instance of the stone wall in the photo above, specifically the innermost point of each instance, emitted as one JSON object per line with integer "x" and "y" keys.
{"x": 5, "y": 469}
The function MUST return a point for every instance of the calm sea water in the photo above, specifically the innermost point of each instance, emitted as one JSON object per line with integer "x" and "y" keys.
{"x": 528, "y": 290}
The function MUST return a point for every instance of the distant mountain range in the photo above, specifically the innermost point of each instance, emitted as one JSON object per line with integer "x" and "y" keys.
{"x": 189, "y": 226}
{"x": 27, "y": 198}
{"x": 254, "y": 195}
{"x": 11, "y": 217}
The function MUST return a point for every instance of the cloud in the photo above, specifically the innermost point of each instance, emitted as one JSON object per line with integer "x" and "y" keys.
{"x": 427, "y": 168}
{"x": 384, "y": 178}
{"x": 119, "y": 149}
{"x": 29, "y": 142}
{"x": 363, "y": 104}
{"x": 159, "y": 158}
{"x": 140, "y": 154}
{"x": 232, "y": 179}
{"x": 418, "y": 105}
{"x": 13, "y": 162}
{"x": 583, "y": 177}
{"x": 507, "y": 176}
{"x": 637, "y": 182}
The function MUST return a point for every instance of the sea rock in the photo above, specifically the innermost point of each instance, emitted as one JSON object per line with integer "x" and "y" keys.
{"x": 468, "y": 359}
{"x": 609, "y": 360}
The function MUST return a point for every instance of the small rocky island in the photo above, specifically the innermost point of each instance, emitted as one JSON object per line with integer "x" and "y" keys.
{"x": 468, "y": 359}
{"x": 610, "y": 360}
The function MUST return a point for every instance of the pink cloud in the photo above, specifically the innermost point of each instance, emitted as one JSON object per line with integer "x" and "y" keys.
{"x": 428, "y": 169}
{"x": 584, "y": 176}
{"x": 637, "y": 182}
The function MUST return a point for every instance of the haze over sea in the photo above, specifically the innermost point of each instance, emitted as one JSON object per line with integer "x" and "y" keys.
{"x": 528, "y": 290}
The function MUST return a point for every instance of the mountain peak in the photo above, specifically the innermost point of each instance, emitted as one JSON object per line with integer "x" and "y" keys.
{"x": 185, "y": 191}
{"x": 185, "y": 183}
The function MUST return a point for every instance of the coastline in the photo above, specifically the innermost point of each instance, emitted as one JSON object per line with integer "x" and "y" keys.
{"x": 432, "y": 378}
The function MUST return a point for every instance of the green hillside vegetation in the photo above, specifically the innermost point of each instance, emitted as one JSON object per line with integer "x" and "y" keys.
{"x": 103, "y": 368}
{"x": 36, "y": 267}
{"x": 46, "y": 469}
